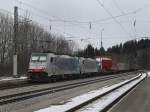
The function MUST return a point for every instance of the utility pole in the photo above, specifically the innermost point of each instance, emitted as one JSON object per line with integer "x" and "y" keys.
{"x": 101, "y": 52}
{"x": 102, "y": 37}
{"x": 15, "y": 41}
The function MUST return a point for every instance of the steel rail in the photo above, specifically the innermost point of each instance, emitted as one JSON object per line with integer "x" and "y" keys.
{"x": 105, "y": 94}
{"x": 31, "y": 94}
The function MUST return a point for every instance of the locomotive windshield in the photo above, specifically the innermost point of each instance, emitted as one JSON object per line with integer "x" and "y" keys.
{"x": 42, "y": 58}
{"x": 39, "y": 57}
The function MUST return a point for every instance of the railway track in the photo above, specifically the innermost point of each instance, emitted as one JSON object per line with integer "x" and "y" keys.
{"x": 31, "y": 94}
{"x": 82, "y": 106}
{"x": 25, "y": 83}
{"x": 99, "y": 100}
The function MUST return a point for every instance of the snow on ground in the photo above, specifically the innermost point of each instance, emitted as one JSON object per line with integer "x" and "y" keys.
{"x": 108, "y": 99}
{"x": 148, "y": 73}
{"x": 83, "y": 98}
{"x": 12, "y": 78}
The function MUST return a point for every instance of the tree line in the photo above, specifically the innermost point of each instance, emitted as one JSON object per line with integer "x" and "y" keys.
{"x": 134, "y": 54}
{"x": 91, "y": 52}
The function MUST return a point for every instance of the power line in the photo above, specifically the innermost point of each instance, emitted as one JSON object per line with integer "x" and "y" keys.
{"x": 46, "y": 18}
{"x": 113, "y": 17}
{"x": 141, "y": 8}
{"x": 79, "y": 22}
{"x": 57, "y": 19}
{"x": 118, "y": 7}
{"x": 37, "y": 15}
{"x": 86, "y": 22}
{"x": 73, "y": 21}
{"x": 42, "y": 11}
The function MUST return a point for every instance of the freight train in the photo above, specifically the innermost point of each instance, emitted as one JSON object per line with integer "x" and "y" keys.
{"x": 105, "y": 63}
{"x": 49, "y": 66}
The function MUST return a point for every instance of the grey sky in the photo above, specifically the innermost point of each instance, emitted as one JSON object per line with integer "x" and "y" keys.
{"x": 86, "y": 11}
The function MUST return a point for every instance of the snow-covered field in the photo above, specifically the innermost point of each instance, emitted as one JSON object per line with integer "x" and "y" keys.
{"x": 12, "y": 78}
{"x": 90, "y": 95}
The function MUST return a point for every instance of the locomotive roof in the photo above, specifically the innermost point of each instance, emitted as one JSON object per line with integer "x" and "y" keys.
{"x": 54, "y": 55}
{"x": 42, "y": 53}
{"x": 103, "y": 58}
{"x": 65, "y": 56}
{"x": 106, "y": 58}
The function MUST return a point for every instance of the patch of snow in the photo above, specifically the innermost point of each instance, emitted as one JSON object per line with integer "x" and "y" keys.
{"x": 83, "y": 98}
{"x": 12, "y": 78}
{"x": 148, "y": 73}
{"x": 100, "y": 104}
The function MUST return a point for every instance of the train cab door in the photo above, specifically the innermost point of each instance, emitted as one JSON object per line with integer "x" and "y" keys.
{"x": 52, "y": 66}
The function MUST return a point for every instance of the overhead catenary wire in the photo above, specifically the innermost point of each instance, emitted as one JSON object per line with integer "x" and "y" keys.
{"x": 73, "y": 22}
{"x": 58, "y": 19}
{"x": 141, "y": 8}
{"x": 96, "y": 21}
{"x": 107, "y": 11}
{"x": 80, "y": 22}
{"x": 72, "y": 36}
{"x": 46, "y": 18}
{"x": 119, "y": 8}
{"x": 64, "y": 23}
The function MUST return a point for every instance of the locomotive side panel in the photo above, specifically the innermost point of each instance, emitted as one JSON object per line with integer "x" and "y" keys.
{"x": 89, "y": 66}
{"x": 65, "y": 65}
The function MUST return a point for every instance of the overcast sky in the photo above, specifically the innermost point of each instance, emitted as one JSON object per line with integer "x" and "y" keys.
{"x": 78, "y": 15}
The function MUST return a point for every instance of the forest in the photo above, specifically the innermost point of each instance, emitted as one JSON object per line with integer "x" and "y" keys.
{"x": 135, "y": 54}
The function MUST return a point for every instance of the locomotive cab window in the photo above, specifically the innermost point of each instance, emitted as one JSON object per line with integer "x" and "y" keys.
{"x": 34, "y": 58}
{"x": 42, "y": 58}
{"x": 39, "y": 58}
